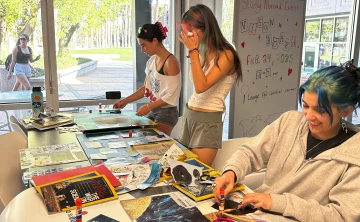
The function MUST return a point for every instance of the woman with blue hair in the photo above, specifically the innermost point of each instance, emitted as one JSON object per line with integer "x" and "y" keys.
{"x": 313, "y": 158}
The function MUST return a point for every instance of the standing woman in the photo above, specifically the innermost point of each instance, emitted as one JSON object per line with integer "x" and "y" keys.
{"x": 22, "y": 54}
{"x": 214, "y": 66}
{"x": 162, "y": 83}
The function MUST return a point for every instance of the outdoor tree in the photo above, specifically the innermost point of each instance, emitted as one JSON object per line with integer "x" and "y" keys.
{"x": 87, "y": 14}
{"x": 312, "y": 31}
{"x": 9, "y": 14}
{"x": 27, "y": 22}
{"x": 227, "y": 19}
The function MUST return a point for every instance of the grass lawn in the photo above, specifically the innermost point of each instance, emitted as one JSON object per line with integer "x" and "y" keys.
{"x": 125, "y": 53}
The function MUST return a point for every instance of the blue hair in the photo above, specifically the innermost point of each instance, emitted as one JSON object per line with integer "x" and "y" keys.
{"x": 338, "y": 85}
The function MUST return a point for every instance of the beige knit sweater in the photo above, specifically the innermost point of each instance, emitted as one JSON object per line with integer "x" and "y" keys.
{"x": 326, "y": 188}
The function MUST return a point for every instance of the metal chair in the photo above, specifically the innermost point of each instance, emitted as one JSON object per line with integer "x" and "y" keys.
{"x": 11, "y": 183}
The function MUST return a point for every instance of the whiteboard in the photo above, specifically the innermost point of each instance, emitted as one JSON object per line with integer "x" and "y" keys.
{"x": 268, "y": 36}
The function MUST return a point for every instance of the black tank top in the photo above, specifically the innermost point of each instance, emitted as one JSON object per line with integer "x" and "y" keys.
{"x": 161, "y": 71}
{"x": 23, "y": 58}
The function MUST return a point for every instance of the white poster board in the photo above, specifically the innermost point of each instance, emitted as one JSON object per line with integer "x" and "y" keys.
{"x": 268, "y": 36}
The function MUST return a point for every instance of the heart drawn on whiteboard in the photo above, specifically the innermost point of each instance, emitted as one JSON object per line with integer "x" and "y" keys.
{"x": 289, "y": 71}
{"x": 243, "y": 44}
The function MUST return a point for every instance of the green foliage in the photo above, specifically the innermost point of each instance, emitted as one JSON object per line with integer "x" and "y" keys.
{"x": 125, "y": 53}
{"x": 10, "y": 13}
{"x": 227, "y": 20}
{"x": 87, "y": 14}
{"x": 312, "y": 31}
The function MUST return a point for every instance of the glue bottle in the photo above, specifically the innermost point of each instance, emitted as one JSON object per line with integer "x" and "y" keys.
{"x": 78, "y": 210}
{"x": 222, "y": 200}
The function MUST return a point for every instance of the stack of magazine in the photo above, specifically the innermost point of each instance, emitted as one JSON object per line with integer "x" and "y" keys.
{"x": 91, "y": 187}
{"x": 50, "y": 122}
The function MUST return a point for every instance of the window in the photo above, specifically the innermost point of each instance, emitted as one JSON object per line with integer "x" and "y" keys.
{"x": 327, "y": 30}
{"x": 324, "y": 55}
{"x": 330, "y": 49}
{"x": 341, "y": 29}
{"x": 312, "y": 31}
{"x": 226, "y": 28}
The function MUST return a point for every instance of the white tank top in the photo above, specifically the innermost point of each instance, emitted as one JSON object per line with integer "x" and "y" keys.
{"x": 213, "y": 98}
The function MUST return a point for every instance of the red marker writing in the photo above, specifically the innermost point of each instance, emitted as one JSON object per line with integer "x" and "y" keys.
{"x": 78, "y": 210}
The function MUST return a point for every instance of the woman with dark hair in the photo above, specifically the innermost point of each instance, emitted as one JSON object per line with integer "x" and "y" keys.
{"x": 312, "y": 158}
{"x": 214, "y": 66}
{"x": 162, "y": 83}
{"x": 21, "y": 55}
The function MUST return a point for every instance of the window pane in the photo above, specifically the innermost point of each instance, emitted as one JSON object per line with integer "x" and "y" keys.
{"x": 327, "y": 30}
{"x": 339, "y": 54}
{"x": 309, "y": 59}
{"x": 341, "y": 29}
{"x": 160, "y": 12}
{"x": 324, "y": 55}
{"x": 227, "y": 30}
{"x": 312, "y": 31}
{"x": 94, "y": 51}
{"x": 27, "y": 73}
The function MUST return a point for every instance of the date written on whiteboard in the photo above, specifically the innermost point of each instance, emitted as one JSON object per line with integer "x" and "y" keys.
{"x": 257, "y": 59}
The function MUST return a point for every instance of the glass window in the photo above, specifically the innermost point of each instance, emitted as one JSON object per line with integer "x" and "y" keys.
{"x": 339, "y": 54}
{"x": 341, "y": 29}
{"x": 309, "y": 59}
{"x": 227, "y": 30}
{"x": 93, "y": 55}
{"x": 327, "y": 30}
{"x": 324, "y": 55}
{"x": 312, "y": 30}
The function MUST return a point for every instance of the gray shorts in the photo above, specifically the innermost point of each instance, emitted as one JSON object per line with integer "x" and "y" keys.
{"x": 201, "y": 129}
{"x": 168, "y": 116}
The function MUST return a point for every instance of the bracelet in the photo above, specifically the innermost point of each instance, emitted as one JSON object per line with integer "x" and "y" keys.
{"x": 192, "y": 61}
{"x": 147, "y": 105}
{"x": 192, "y": 50}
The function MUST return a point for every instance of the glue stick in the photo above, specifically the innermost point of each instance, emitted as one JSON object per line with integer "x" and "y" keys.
{"x": 222, "y": 200}
{"x": 78, "y": 210}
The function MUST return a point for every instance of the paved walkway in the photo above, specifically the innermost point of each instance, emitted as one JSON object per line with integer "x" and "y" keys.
{"x": 110, "y": 75}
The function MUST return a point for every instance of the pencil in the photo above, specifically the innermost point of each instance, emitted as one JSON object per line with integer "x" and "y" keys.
{"x": 228, "y": 210}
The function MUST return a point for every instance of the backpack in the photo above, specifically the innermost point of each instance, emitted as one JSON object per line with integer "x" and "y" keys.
{"x": 8, "y": 62}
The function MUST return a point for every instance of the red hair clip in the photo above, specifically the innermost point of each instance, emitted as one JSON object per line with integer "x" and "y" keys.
{"x": 163, "y": 29}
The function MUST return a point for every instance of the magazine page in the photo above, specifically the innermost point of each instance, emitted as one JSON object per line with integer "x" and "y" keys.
{"x": 51, "y": 155}
{"x": 61, "y": 195}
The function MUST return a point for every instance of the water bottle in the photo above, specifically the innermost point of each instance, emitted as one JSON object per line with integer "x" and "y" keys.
{"x": 37, "y": 102}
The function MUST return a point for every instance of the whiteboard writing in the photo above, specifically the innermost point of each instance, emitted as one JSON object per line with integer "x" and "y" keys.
{"x": 268, "y": 40}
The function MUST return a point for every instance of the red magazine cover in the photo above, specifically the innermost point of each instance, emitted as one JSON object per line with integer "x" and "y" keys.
{"x": 99, "y": 167}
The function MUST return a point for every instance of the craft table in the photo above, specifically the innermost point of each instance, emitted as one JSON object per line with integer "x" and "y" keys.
{"x": 28, "y": 206}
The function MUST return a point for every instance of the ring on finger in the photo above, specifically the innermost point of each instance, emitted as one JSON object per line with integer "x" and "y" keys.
{"x": 213, "y": 185}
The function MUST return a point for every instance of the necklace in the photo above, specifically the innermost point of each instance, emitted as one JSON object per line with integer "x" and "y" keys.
{"x": 313, "y": 148}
